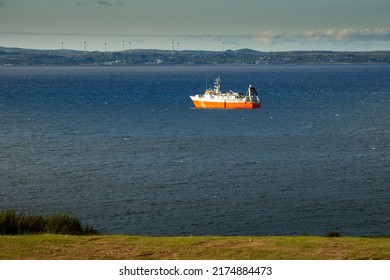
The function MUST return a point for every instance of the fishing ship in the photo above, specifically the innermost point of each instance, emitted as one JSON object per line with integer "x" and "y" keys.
{"x": 214, "y": 98}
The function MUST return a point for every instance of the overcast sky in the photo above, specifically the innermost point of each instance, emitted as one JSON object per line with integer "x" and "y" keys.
{"x": 268, "y": 25}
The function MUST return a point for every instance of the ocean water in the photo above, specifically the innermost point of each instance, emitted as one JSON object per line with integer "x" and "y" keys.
{"x": 123, "y": 149}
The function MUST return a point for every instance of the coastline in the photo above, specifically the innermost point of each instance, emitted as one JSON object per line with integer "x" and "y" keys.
{"x": 31, "y": 57}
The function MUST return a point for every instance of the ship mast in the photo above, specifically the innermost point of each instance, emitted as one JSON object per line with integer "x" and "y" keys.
{"x": 217, "y": 85}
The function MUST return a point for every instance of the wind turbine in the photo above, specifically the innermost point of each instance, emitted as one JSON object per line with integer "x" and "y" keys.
{"x": 173, "y": 46}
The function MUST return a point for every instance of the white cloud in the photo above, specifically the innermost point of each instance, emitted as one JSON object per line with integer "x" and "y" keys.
{"x": 341, "y": 35}
{"x": 347, "y": 33}
{"x": 267, "y": 37}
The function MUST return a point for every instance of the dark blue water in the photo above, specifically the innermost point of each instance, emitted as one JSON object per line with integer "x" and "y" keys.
{"x": 123, "y": 149}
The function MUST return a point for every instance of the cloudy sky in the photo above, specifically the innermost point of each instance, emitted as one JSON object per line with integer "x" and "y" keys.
{"x": 268, "y": 25}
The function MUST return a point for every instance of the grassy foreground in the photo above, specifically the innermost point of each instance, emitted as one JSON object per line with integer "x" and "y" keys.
{"x": 115, "y": 247}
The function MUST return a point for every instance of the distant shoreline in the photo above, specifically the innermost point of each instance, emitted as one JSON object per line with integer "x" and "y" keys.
{"x": 29, "y": 57}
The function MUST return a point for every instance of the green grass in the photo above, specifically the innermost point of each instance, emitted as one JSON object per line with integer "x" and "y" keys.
{"x": 111, "y": 247}
{"x": 60, "y": 236}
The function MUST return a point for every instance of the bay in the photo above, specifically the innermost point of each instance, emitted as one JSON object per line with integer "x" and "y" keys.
{"x": 123, "y": 149}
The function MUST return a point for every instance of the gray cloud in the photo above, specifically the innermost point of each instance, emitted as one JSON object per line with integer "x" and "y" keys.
{"x": 104, "y": 3}
{"x": 110, "y": 3}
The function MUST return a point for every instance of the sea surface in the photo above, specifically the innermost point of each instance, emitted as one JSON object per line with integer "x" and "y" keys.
{"x": 123, "y": 149}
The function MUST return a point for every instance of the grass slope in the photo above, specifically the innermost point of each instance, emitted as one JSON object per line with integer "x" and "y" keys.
{"x": 115, "y": 247}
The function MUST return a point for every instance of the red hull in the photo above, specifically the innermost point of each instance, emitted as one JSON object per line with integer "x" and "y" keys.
{"x": 225, "y": 105}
